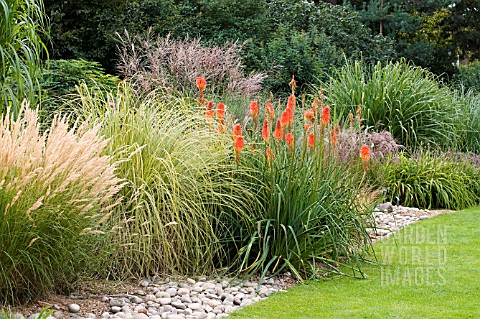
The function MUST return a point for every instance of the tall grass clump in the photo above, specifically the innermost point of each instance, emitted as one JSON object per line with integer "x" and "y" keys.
{"x": 431, "y": 180}
{"x": 398, "y": 97}
{"x": 56, "y": 192}
{"x": 21, "y": 24}
{"x": 468, "y": 120}
{"x": 180, "y": 182}
{"x": 310, "y": 211}
{"x": 174, "y": 65}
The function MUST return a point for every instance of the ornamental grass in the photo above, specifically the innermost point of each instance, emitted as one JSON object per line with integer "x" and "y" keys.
{"x": 56, "y": 192}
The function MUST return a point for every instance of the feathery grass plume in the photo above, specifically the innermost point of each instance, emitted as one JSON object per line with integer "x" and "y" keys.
{"x": 175, "y": 65}
{"x": 56, "y": 191}
{"x": 182, "y": 184}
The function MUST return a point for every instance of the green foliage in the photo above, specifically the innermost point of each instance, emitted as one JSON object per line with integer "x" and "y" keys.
{"x": 309, "y": 56}
{"x": 180, "y": 181}
{"x": 468, "y": 76}
{"x": 402, "y": 99}
{"x": 55, "y": 194}
{"x": 21, "y": 48}
{"x": 429, "y": 180}
{"x": 61, "y": 77}
{"x": 468, "y": 120}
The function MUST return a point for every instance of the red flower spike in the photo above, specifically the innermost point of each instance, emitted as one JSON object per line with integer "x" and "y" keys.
{"x": 365, "y": 156}
{"x": 311, "y": 140}
{"x": 201, "y": 83}
{"x": 365, "y": 153}
{"x": 221, "y": 110}
{"x": 325, "y": 116}
{"x": 210, "y": 113}
{"x": 254, "y": 108}
{"x": 278, "y": 133}
{"x": 290, "y": 141}
{"x": 309, "y": 115}
{"x": 269, "y": 111}
{"x": 287, "y": 117}
{"x": 237, "y": 130}
{"x": 265, "y": 131}
{"x": 269, "y": 154}
{"x": 292, "y": 102}
{"x": 238, "y": 146}
{"x": 306, "y": 127}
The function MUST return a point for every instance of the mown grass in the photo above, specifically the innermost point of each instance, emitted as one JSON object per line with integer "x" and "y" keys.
{"x": 446, "y": 246}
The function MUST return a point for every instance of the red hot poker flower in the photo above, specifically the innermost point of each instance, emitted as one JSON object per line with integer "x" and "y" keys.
{"x": 365, "y": 156}
{"x": 269, "y": 154}
{"x": 278, "y": 133}
{"x": 265, "y": 130}
{"x": 201, "y": 83}
{"x": 254, "y": 108}
{"x": 210, "y": 113}
{"x": 287, "y": 117}
{"x": 306, "y": 127}
{"x": 325, "y": 116}
{"x": 311, "y": 140}
{"x": 365, "y": 153}
{"x": 291, "y": 102}
{"x": 290, "y": 141}
{"x": 269, "y": 111}
{"x": 237, "y": 130}
{"x": 238, "y": 146}
{"x": 309, "y": 115}
{"x": 221, "y": 110}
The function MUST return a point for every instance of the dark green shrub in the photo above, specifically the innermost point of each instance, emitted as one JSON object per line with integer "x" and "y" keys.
{"x": 61, "y": 77}
{"x": 429, "y": 180}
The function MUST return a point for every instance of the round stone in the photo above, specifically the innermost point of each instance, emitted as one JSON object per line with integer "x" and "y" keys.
{"x": 162, "y": 294}
{"x": 115, "y": 309}
{"x": 117, "y": 302}
{"x": 183, "y": 291}
{"x": 178, "y": 305}
{"x": 164, "y": 301}
{"x": 171, "y": 291}
{"x": 140, "y": 316}
{"x": 73, "y": 308}
{"x": 136, "y": 299}
{"x": 195, "y": 306}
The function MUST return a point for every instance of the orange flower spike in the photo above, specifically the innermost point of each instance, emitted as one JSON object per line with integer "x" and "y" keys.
{"x": 278, "y": 133}
{"x": 325, "y": 116}
{"x": 201, "y": 83}
{"x": 237, "y": 131}
{"x": 290, "y": 141}
{"x": 365, "y": 153}
{"x": 221, "y": 110}
{"x": 284, "y": 118}
{"x": 210, "y": 113}
{"x": 238, "y": 146}
{"x": 254, "y": 108}
{"x": 265, "y": 130}
{"x": 306, "y": 127}
{"x": 365, "y": 156}
{"x": 333, "y": 137}
{"x": 292, "y": 102}
{"x": 309, "y": 115}
{"x": 269, "y": 111}
{"x": 311, "y": 140}
{"x": 269, "y": 154}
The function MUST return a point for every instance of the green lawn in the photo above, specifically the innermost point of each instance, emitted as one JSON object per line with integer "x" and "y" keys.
{"x": 433, "y": 271}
